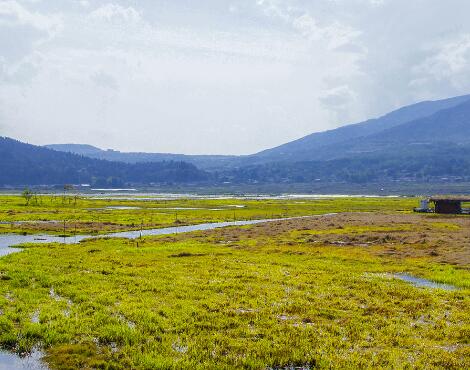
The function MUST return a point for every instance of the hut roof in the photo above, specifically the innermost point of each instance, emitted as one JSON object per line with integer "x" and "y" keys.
{"x": 450, "y": 198}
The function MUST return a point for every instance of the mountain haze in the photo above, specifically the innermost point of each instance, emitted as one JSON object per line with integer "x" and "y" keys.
{"x": 428, "y": 149}
{"x": 342, "y": 142}
{"x": 423, "y": 142}
{"x": 313, "y": 146}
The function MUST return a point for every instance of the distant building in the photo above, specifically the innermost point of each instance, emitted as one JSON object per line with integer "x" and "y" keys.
{"x": 449, "y": 204}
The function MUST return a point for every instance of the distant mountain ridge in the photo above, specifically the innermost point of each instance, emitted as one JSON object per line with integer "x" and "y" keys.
{"x": 81, "y": 149}
{"x": 26, "y": 164}
{"x": 424, "y": 142}
{"x": 447, "y": 125}
{"x": 427, "y": 163}
{"x": 427, "y": 149}
{"x": 354, "y": 139}
{"x": 201, "y": 161}
{"x": 310, "y": 147}
{"x": 450, "y": 125}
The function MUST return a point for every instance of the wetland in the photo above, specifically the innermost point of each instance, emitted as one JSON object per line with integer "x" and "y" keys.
{"x": 351, "y": 289}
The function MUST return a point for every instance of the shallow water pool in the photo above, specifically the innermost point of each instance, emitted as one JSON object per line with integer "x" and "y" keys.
{"x": 423, "y": 283}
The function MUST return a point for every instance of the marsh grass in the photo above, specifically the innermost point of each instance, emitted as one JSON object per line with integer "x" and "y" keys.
{"x": 263, "y": 296}
{"x": 90, "y": 215}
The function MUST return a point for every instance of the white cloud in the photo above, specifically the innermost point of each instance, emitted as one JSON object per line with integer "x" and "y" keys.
{"x": 376, "y": 2}
{"x": 449, "y": 63}
{"x": 275, "y": 8}
{"x": 22, "y": 32}
{"x": 13, "y": 13}
{"x": 307, "y": 26}
{"x": 116, "y": 13}
{"x": 340, "y": 101}
{"x": 336, "y": 34}
{"x": 222, "y": 77}
{"x": 103, "y": 79}
{"x": 338, "y": 96}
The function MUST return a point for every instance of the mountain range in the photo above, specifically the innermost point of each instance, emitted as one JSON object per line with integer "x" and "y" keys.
{"x": 24, "y": 164}
{"x": 201, "y": 161}
{"x": 374, "y": 134}
{"x": 422, "y": 142}
{"x": 409, "y": 122}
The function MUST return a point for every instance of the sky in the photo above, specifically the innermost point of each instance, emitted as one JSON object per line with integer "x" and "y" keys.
{"x": 217, "y": 76}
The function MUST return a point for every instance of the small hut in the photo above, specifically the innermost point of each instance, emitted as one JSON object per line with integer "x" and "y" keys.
{"x": 449, "y": 204}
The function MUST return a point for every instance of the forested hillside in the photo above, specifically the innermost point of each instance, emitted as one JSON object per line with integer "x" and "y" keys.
{"x": 205, "y": 162}
{"x": 425, "y": 142}
{"x": 25, "y": 164}
{"x": 425, "y": 163}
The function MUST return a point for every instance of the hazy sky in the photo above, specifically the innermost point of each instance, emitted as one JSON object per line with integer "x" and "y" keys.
{"x": 229, "y": 77}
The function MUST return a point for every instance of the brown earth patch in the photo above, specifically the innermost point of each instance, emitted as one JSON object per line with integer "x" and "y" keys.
{"x": 443, "y": 239}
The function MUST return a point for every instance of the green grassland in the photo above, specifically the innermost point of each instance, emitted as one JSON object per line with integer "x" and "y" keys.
{"x": 85, "y": 215}
{"x": 313, "y": 293}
